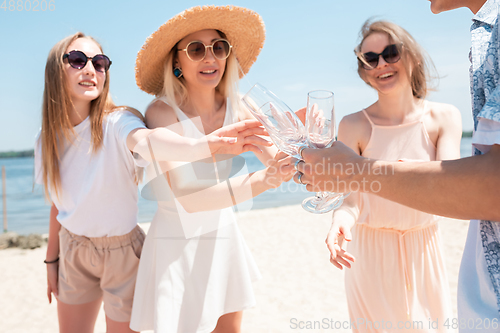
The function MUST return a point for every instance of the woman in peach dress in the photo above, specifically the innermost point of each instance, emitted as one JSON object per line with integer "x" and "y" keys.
{"x": 397, "y": 278}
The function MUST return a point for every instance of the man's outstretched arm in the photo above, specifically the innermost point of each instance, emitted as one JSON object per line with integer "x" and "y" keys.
{"x": 467, "y": 188}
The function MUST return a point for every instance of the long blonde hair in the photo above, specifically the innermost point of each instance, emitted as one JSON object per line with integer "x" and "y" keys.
{"x": 56, "y": 125}
{"x": 175, "y": 91}
{"x": 414, "y": 58}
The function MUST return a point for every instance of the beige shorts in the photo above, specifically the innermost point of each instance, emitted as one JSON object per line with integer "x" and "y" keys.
{"x": 106, "y": 266}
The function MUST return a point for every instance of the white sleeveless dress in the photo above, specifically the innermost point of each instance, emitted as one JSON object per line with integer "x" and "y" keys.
{"x": 187, "y": 279}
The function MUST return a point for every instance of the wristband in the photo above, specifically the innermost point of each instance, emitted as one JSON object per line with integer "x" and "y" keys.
{"x": 51, "y": 262}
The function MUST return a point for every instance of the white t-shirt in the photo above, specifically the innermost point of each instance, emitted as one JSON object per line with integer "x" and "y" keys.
{"x": 98, "y": 195}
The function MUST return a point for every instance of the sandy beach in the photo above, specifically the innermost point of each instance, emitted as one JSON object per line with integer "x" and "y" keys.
{"x": 299, "y": 283}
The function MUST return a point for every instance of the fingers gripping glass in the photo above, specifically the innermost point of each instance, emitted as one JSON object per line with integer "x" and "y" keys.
{"x": 78, "y": 60}
{"x": 391, "y": 55}
{"x": 196, "y": 51}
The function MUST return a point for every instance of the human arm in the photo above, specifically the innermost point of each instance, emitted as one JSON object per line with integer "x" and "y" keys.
{"x": 449, "y": 123}
{"x": 466, "y": 188}
{"x": 53, "y": 254}
{"x": 167, "y": 144}
{"x": 201, "y": 196}
{"x": 351, "y": 131}
{"x": 199, "y": 186}
{"x": 213, "y": 193}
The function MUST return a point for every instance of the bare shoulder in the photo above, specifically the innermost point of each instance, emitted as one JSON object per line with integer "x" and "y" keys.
{"x": 354, "y": 120}
{"x": 160, "y": 114}
{"x": 444, "y": 123}
{"x": 355, "y": 131}
{"x": 443, "y": 118}
{"x": 443, "y": 110}
{"x": 354, "y": 124}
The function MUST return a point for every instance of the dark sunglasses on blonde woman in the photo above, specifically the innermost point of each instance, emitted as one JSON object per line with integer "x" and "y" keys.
{"x": 196, "y": 50}
{"x": 391, "y": 54}
{"x": 78, "y": 60}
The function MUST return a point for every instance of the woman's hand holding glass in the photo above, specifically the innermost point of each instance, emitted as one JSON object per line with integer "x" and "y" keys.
{"x": 238, "y": 138}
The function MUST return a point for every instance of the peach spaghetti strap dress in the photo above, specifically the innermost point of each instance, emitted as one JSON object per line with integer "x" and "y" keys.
{"x": 399, "y": 276}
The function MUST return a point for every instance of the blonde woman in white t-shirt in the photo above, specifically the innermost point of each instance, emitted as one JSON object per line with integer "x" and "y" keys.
{"x": 84, "y": 159}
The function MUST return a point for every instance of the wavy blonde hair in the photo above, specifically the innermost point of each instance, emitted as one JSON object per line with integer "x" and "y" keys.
{"x": 175, "y": 91}
{"x": 56, "y": 105}
{"x": 417, "y": 63}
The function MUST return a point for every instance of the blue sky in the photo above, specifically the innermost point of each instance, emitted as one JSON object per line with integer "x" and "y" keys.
{"x": 308, "y": 46}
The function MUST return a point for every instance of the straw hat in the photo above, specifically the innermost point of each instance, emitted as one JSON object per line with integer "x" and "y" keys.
{"x": 243, "y": 27}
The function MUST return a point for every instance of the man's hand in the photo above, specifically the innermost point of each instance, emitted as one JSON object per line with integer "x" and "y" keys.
{"x": 330, "y": 169}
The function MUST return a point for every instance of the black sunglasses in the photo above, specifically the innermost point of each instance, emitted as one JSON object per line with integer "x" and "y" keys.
{"x": 78, "y": 60}
{"x": 391, "y": 55}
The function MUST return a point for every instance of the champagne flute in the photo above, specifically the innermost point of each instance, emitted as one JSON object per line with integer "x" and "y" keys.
{"x": 282, "y": 124}
{"x": 320, "y": 130}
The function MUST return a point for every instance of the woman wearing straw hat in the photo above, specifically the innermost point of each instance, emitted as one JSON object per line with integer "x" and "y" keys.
{"x": 196, "y": 271}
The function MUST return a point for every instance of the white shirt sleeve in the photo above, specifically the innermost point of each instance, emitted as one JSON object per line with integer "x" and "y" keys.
{"x": 126, "y": 122}
{"x": 486, "y": 135}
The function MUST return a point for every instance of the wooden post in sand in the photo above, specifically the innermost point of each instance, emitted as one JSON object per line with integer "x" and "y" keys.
{"x": 4, "y": 196}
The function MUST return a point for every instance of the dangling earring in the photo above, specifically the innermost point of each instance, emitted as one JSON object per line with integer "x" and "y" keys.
{"x": 177, "y": 72}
